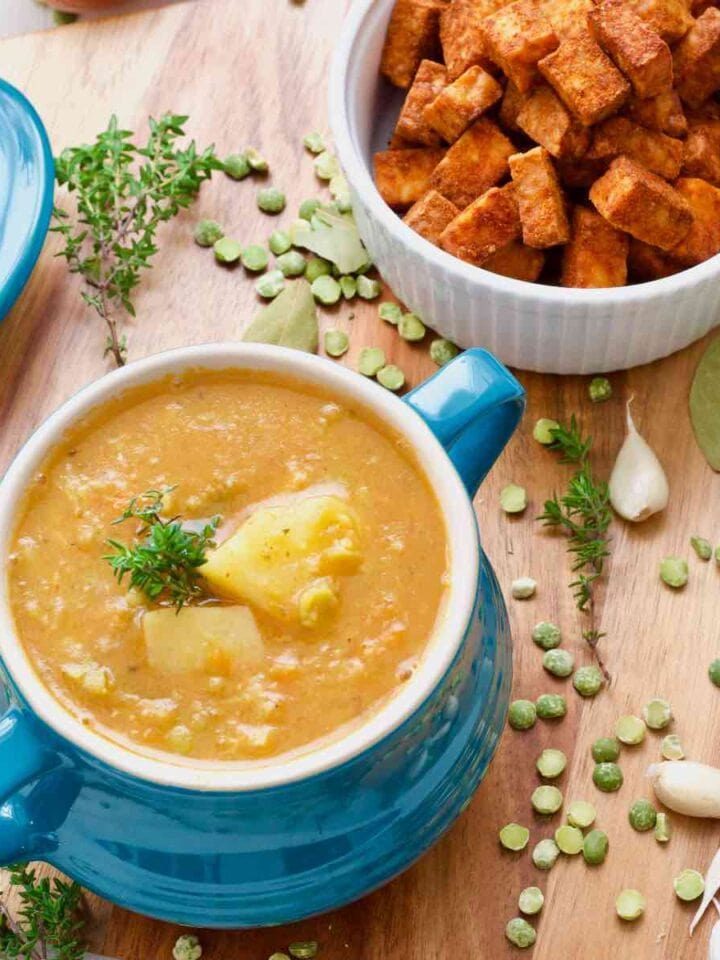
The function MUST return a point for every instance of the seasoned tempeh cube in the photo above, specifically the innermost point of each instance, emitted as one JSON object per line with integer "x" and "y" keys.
{"x": 597, "y": 254}
{"x": 703, "y": 239}
{"x": 642, "y": 204}
{"x": 696, "y": 59}
{"x": 413, "y": 34}
{"x": 569, "y": 18}
{"x": 580, "y": 173}
{"x": 636, "y": 48}
{"x": 411, "y": 127}
{"x": 663, "y": 113}
{"x": 547, "y": 121}
{"x": 516, "y": 37}
{"x": 462, "y": 102}
{"x": 478, "y": 160}
{"x": 403, "y": 176}
{"x": 517, "y": 261}
{"x": 463, "y": 44}
{"x": 701, "y": 157}
{"x": 540, "y": 199}
{"x": 430, "y": 215}
{"x": 670, "y": 18}
{"x": 656, "y": 151}
{"x": 488, "y": 224}
{"x": 585, "y": 79}
{"x": 510, "y": 106}
{"x": 648, "y": 263}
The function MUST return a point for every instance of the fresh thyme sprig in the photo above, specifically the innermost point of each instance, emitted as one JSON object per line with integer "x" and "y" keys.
{"x": 583, "y": 512}
{"x": 592, "y": 638}
{"x": 123, "y": 192}
{"x": 164, "y": 559}
{"x": 48, "y": 922}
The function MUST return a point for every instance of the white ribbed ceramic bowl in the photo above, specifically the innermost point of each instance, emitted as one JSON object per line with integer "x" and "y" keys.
{"x": 527, "y": 325}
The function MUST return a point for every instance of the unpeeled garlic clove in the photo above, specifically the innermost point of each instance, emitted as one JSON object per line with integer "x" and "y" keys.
{"x": 638, "y": 485}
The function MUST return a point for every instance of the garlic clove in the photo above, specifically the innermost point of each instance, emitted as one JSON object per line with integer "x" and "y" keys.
{"x": 638, "y": 485}
{"x": 688, "y": 787}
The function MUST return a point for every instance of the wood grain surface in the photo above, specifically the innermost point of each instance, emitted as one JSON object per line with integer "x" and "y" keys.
{"x": 254, "y": 73}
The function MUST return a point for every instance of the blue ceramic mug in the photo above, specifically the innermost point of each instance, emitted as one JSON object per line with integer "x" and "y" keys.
{"x": 248, "y": 844}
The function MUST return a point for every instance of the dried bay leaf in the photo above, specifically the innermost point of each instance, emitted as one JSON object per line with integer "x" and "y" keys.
{"x": 289, "y": 321}
{"x": 333, "y": 236}
{"x": 705, "y": 404}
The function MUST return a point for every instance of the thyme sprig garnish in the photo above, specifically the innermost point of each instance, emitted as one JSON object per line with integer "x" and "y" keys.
{"x": 123, "y": 192}
{"x": 163, "y": 560}
{"x": 583, "y": 512}
{"x": 592, "y": 638}
{"x": 48, "y": 921}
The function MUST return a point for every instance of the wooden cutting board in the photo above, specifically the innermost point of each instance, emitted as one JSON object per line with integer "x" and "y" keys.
{"x": 255, "y": 72}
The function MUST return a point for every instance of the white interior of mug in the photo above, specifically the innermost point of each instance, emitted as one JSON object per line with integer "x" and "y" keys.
{"x": 463, "y": 564}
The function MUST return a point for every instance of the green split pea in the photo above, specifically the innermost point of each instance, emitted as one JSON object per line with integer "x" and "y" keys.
{"x": 545, "y": 854}
{"x": 291, "y": 263}
{"x": 689, "y": 885}
{"x": 630, "y": 730}
{"x": 569, "y": 840}
{"x": 657, "y": 714}
{"x": 336, "y": 343}
{"x": 559, "y": 663}
{"x": 371, "y": 361}
{"x": 513, "y": 499}
{"x": 674, "y": 572}
{"x": 672, "y": 748}
{"x": 607, "y": 777}
{"x": 581, "y": 814}
{"x": 255, "y": 258}
{"x": 642, "y": 816}
{"x": 237, "y": 166}
{"x": 270, "y": 284}
{"x": 303, "y": 949}
{"x": 551, "y": 763}
{"x": 326, "y": 290}
{"x": 514, "y": 837}
{"x": 520, "y": 933}
{"x": 588, "y": 681}
{"x": 279, "y": 242}
{"x": 546, "y": 635}
{"x": 271, "y": 200}
{"x": 595, "y": 847}
{"x": 411, "y": 327}
{"x": 391, "y": 377}
{"x": 522, "y": 714}
{"x": 227, "y": 251}
{"x": 531, "y": 901}
{"x": 207, "y": 233}
{"x": 543, "y": 431}
{"x": 551, "y": 706}
{"x": 630, "y": 904}
{"x": 442, "y": 351}
{"x": 605, "y": 750}
{"x": 546, "y": 799}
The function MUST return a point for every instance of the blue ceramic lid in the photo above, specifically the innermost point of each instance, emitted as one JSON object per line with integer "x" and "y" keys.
{"x": 26, "y": 192}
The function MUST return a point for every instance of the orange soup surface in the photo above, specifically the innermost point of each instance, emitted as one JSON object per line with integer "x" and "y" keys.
{"x": 325, "y": 584}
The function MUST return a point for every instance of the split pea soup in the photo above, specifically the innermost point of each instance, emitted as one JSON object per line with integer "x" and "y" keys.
{"x": 281, "y": 567}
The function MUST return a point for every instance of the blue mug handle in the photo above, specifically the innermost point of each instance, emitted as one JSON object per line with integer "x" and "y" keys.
{"x": 23, "y": 758}
{"x": 473, "y": 405}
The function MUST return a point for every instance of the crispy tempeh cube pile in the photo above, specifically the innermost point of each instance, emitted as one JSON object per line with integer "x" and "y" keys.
{"x": 588, "y": 126}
